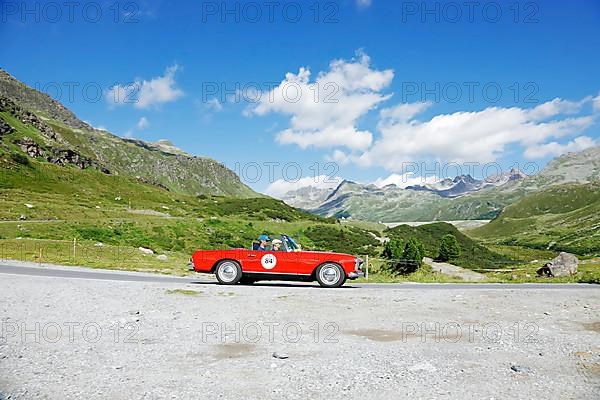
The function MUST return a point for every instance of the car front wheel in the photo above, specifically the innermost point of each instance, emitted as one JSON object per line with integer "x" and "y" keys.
{"x": 228, "y": 272}
{"x": 331, "y": 275}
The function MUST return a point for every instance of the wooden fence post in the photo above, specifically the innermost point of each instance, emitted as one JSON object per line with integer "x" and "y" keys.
{"x": 367, "y": 268}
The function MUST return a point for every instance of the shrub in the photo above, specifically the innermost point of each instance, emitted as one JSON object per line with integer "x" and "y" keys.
{"x": 96, "y": 234}
{"x": 393, "y": 249}
{"x": 413, "y": 256}
{"x": 20, "y": 158}
{"x": 348, "y": 240}
{"x": 449, "y": 248}
{"x": 405, "y": 259}
{"x": 220, "y": 237}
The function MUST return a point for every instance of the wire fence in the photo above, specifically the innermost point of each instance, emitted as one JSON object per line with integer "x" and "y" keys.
{"x": 74, "y": 253}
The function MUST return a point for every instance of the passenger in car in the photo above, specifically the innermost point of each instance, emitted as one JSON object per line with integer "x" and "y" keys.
{"x": 277, "y": 245}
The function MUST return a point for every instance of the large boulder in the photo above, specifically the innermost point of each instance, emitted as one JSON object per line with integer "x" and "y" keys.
{"x": 5, "y": 128}
{"x": 145, "y": 250}
{"x": 31, "y": 148}
{"x": 565, "y": 264}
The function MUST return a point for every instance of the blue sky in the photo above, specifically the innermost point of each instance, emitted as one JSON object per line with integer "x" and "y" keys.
{"x": 400, "y": 84}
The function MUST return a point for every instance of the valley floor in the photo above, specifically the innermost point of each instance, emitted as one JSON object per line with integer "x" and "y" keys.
{"x": 460, "y": 224}
{"x": 68, "y": 338}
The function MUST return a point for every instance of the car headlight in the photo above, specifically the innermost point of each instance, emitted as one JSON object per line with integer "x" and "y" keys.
{"x": 358, "y": 263}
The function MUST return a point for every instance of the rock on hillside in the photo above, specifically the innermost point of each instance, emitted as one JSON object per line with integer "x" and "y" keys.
{"x": 34, "y": 100}
{"x": 577, "y": 167}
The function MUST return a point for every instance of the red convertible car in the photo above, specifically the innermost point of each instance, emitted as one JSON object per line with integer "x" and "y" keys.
{"x": 290, "y": 263}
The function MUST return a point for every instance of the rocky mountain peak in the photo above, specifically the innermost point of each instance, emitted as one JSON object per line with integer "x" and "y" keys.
{"x": 37, "y": 102}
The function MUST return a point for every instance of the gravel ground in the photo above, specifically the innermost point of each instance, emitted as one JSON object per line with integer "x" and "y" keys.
{"x": 65, "y": 338}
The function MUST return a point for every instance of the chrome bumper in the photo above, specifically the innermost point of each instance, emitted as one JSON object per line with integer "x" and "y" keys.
{"x": 191, "y": 266}
{"x": 355, "y": 275}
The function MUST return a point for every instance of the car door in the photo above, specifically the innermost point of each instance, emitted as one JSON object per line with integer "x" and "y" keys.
{"x": 306, "y": 262}
{"x": 270, "y": 262}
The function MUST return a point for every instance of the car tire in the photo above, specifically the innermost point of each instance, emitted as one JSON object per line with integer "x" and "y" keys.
{"x": 330, "y": 275}
{"x": 228, "y": 272}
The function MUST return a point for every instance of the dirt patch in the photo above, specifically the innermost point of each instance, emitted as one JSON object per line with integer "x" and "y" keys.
{"x": 455, "y": 271}
{"x": 593, "y": 368}
{"x": 378, "y": 335}
{"x": 438, "y": 335}
{"x": 186, "y": 292}
{"x": 233, "y": 350}
{"x": 589, "y": 363}
{"x": 150, "y": 212}
{"x": 593, "y": 326}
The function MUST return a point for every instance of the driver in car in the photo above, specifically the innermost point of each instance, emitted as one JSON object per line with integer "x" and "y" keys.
{"x": 263, "y": 243}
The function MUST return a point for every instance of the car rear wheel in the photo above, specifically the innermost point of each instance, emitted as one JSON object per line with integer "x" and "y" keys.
{"x": 331, "y": 275}
{"x": 228, "y": 272}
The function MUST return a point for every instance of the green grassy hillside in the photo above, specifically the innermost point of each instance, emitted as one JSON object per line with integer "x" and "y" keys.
{"x": 473, "y": 255}
{"x": 561, "y": 218}
{"x": 63, "y": 204}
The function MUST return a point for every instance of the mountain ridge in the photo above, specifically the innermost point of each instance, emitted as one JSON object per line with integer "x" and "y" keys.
{"x": 462, "y": 197}
{"x": 55, "y": 134}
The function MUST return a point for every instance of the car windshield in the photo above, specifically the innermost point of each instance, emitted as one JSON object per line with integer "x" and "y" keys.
{"x": 290, "y": 244}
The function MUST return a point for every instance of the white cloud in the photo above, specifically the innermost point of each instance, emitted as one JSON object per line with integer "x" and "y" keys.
{"x": 338, "y": 157}
{"x": 142, "y": 124}
{"x": 402, "y": 134}
{"x": 280, "y": 187}
{"x": 214, "y": 105}
{"x": 145, "y": 94}
{"x": 404, "y": 180}
{"x": 404, "y": 112}
{"x": 324, "y": 112}
{"x": 557, "y": 149}
{"x": 557, "y": 106}
{"x": 596, "y": 104}
{"x": 327, "y": 137}
{"x": 479, "y": 136}
{"x": 363, "y": 3}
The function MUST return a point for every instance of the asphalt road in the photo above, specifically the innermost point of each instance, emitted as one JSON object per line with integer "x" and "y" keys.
{"x": 121, "y": 276}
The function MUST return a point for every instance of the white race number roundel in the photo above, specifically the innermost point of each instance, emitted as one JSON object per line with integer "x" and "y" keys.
{"x": 268, "y": 261}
